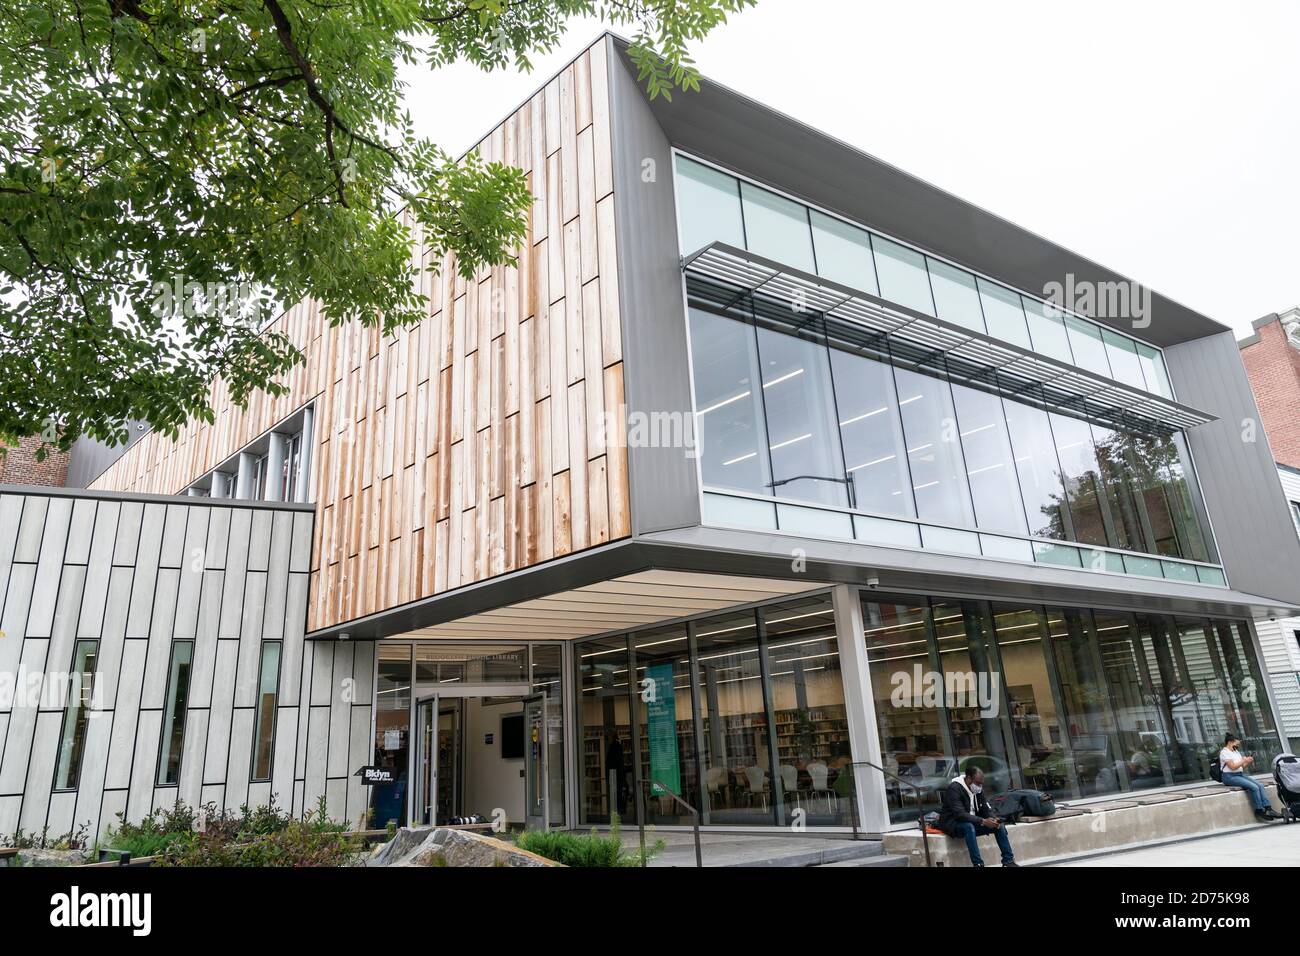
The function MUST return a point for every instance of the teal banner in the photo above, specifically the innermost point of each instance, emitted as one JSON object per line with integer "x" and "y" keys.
{"x": 661, "y": 720}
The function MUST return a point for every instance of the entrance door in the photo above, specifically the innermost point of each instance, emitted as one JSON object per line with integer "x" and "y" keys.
{"x": 426, "y": 762}
{"x": 536, "y": 779}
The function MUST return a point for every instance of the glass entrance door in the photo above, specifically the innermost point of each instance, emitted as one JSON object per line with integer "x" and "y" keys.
{"x": 536, "y": 779}
{"x": 426, "y": 762}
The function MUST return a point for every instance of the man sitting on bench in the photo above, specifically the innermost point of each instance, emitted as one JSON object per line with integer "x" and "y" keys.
{"x": 965, "y": 813}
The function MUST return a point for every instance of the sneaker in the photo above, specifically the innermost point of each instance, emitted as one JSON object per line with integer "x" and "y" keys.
{"x": 1272, "y": 814}
{"x": 1010, "y": 863}
{"x": 1262, "y": 816}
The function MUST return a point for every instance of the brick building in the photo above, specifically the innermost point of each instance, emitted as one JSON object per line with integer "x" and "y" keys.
{"x": 19, "y": 465}
{"x": 1272, "y": 358}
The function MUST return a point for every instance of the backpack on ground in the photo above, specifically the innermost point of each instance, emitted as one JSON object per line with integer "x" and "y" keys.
{"x": 1034, "y": 803}
{"x": 1008, "y": 807}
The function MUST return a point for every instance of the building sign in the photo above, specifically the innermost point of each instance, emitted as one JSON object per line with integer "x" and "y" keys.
{"x": 372, "y": 776}
{"x": 661, "y": 715}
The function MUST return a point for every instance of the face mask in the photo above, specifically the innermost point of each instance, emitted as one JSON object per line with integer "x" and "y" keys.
{"x": 977, "y": 788}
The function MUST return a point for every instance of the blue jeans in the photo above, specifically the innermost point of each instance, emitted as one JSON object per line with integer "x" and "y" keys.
{"x": 1257, "y": 795}
{"x": 970, "y": 831}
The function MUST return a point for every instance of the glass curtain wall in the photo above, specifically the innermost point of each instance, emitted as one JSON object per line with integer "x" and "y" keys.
{"x": 741, "y": 714}
{"x": 714, "y": 206}
{"x": 803, "y": 417}
{"x": 392, "y": 732}
{"x": 1073, "y": 701}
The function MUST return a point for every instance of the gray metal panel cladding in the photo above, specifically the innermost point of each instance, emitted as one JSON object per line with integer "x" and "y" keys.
{"x": 663, "y": 481}
{"x": 1252, "y": 525}
{"x": 99, "y": 566}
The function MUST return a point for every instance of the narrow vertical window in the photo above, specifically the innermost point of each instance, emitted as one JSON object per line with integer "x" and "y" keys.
{"x": 268, "y": 689}
{"x": 173, "y": 729}
{"x": 80, "y": 694}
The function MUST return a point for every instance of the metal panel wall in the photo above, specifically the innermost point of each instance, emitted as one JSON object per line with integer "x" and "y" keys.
{"x": 138, "y": 575}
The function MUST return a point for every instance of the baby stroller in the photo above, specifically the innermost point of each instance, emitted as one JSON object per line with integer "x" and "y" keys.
{"x": 1286, "y": 773}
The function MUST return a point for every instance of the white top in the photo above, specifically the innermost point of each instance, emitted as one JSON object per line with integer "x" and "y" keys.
{"x": 1226, "y": 754}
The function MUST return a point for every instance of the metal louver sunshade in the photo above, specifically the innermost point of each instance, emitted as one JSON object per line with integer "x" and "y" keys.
{"x": 727, "y": 275}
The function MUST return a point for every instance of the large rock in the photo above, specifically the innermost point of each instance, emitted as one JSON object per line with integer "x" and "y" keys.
{"x": 444, "y": 847}
{"x": 51, "y": 857}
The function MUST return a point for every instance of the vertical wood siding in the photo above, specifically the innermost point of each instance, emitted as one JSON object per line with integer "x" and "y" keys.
{"x": 474, "y": 443}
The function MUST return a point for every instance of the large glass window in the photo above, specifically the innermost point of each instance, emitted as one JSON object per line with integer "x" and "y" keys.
{"x": 1124, "y": 363}
{"x": 81, "y": 691}
{"x": 972, "y": 693}
{"x": 812, "y": 729}
{"x": 708, "y": 207}
{"x": 1114, "y": 462}
{"x": 990, "y": 465}
{"x": 268, "y": 686}
{"x": 1097, "y": 752}
{"x": 1047, "y": 330}
{"x": 392, "y": 732}
{"x": 1038, "y": 727}
{"x": 802, "y": 432}
{"x": 1082, "y": 476}
{"x": 728, "y": 404}
{"x": 871, "y": 433}
{"x": 933, "y": 449}
{"x": 902, "y": 275}
{"x": 737, "y": 747}
{"x": 913, "y": 745}
{"x": 1159, "y": 478}
{"x": 844, "y": 253}
{"x": 1087, "y": 346}
{"x": 956, "y": 299}
{"x": 604, "y": 711}
{"x": 1038, "y": 469}
{"x": 666, "y": 724}
{"x": 1004, "y": 314}
{"x": 1154, "y": 373}
{"x": 777, "y": 227}
{"x": 174, "y": 711}
{"x": 1142, "y": 733}
{"x": 547, "y": 667}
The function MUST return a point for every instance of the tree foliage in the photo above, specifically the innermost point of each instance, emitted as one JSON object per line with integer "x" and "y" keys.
{"x": 172, "y": 172}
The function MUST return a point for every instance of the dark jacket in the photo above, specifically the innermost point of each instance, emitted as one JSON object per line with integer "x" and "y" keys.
{"x": 956, "y": 807}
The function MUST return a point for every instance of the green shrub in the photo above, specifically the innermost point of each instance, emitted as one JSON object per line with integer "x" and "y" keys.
{"x": 584, "y": 849}
{"x": 20, "y": 839}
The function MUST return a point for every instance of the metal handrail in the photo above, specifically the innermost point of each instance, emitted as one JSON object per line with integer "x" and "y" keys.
{"x": 920, "y": 817}
{"x": 640, "y": 815}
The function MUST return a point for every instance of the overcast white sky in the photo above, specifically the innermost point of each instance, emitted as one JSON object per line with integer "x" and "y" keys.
{"x": 1159, "y": 138}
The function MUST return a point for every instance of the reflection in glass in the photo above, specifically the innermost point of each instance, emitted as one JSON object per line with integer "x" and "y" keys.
{"x": 1115, "y": 465}
{"x": 843, "y": 252}
{"x": 912, "y": 743}
{"x": 392, "y": 732}
{"x": 803, "y": 436}
{"x": 933, "y": 449}
{"x": 737, "y": 757}
{"x": 1143, "y": 734}
{"x": 1038, "y": 727}
{"x": 666, "y": 724}
{"x": 547, "y": 669}
{"x": 81, "y": 691}
{"x": 872, "y": 434}
{"x": 990, "y": 468}
{"x": 812, "y": 729}
{"x": 1098, "y": 758}
{"x": 708, "y": 207}
{"x": 777, "y": 227}
{"x": 1079, "y": 468}
{"x": 606, "y": 782}
{"x": 268, "y": 686}
{"x": 972, "y": 698}
{"x": 1038, "y": 469}
{"x": 902, "y": 274}
{"x": 174, "y": 712}
{"x": 728, "y": 418}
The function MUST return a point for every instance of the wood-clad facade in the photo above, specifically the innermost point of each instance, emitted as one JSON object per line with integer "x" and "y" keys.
{"x": 474, "y": 443}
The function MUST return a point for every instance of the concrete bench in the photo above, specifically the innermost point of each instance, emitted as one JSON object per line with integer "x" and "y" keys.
{"x": 1128, "y": 820}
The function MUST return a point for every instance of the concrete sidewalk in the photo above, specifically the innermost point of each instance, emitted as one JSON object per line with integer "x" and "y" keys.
{"x": 1271, "y": 844}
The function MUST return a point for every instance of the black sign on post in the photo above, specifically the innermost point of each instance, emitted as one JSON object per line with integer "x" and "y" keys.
{"x": 373, "y": 775}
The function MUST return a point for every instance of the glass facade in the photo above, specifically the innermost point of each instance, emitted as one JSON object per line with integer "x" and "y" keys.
{"x": 790, "y": 411}
{"x": 714, "y": 206}
{"x": 741, "y": 715}
{"x": 1074, "y": 701}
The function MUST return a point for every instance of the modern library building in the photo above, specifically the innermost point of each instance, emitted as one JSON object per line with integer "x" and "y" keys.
{"x": 770, "y": 484}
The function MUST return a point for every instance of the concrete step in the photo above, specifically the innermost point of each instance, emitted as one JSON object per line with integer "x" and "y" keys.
{"x": 771, "y": 851}
{"x": 885, "y": 859}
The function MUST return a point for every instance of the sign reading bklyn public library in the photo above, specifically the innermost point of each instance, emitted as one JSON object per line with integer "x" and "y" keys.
{"x": 661, "y": 714}
{"x": 370, "y": 776}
